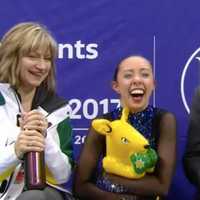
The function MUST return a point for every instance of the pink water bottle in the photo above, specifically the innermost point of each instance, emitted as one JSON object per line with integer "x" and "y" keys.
{"x": 34, "y": 169}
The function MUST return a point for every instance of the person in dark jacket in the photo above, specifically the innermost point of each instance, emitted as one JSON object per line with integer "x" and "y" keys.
{"x": 191, "y": 159}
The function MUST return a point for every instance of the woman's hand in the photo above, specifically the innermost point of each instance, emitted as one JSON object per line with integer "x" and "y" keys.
{"x": 29, "y": 140}
{"x": 34, "y": 120}
{"x": 33, "y": 131}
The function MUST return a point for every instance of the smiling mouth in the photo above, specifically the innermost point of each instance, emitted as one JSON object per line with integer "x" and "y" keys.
{"x": 137, "y": 93}
{"x": 37, "y": 74}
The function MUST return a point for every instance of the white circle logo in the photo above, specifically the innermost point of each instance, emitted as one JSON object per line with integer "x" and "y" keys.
{"x": 183, "y": 77}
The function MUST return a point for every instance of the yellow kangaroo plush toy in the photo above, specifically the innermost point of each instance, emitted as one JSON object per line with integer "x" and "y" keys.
{"x": 128, "y": 152}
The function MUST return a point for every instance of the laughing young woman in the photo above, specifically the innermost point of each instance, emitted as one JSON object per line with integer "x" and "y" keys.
{"x": 134, "y": 82}
{"x": 27, "y": 89}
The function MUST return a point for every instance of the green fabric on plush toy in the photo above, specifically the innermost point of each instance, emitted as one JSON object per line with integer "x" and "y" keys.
{"x": 144, "y": 162}
{"x": 128, "y": 152}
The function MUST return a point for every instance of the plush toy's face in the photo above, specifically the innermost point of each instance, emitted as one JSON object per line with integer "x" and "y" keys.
{"x": 121, "y": 137}
{"x": 126, "y": 138}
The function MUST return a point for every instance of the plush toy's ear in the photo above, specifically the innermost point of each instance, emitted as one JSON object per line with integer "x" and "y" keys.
{"x": 125, "y": 113}
{"x": 102, "y": 126}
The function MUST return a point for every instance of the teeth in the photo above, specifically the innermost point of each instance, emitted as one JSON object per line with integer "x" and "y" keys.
{"x": 137, "y": 91}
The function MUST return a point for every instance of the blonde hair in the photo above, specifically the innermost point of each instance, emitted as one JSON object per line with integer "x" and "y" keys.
{"x": 20, "y": 41}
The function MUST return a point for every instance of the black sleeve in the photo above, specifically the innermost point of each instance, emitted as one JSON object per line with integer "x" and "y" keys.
{"x": 191, "y": 159}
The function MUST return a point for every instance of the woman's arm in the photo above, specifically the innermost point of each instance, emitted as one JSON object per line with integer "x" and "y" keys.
{"x": 83, "y": 187}
{"x": 159, "y": 182}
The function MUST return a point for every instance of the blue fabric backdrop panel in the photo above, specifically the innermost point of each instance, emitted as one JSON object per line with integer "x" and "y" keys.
{"x": 94, "y": 35}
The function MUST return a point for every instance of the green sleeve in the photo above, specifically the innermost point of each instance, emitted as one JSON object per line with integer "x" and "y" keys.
{"x": 64, "y": 130}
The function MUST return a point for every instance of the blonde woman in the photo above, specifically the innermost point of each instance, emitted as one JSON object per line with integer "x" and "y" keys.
{"x": 27, "y": 89}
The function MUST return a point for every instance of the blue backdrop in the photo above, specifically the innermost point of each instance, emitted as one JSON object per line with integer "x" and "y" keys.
{"x": 94, "y": 35}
